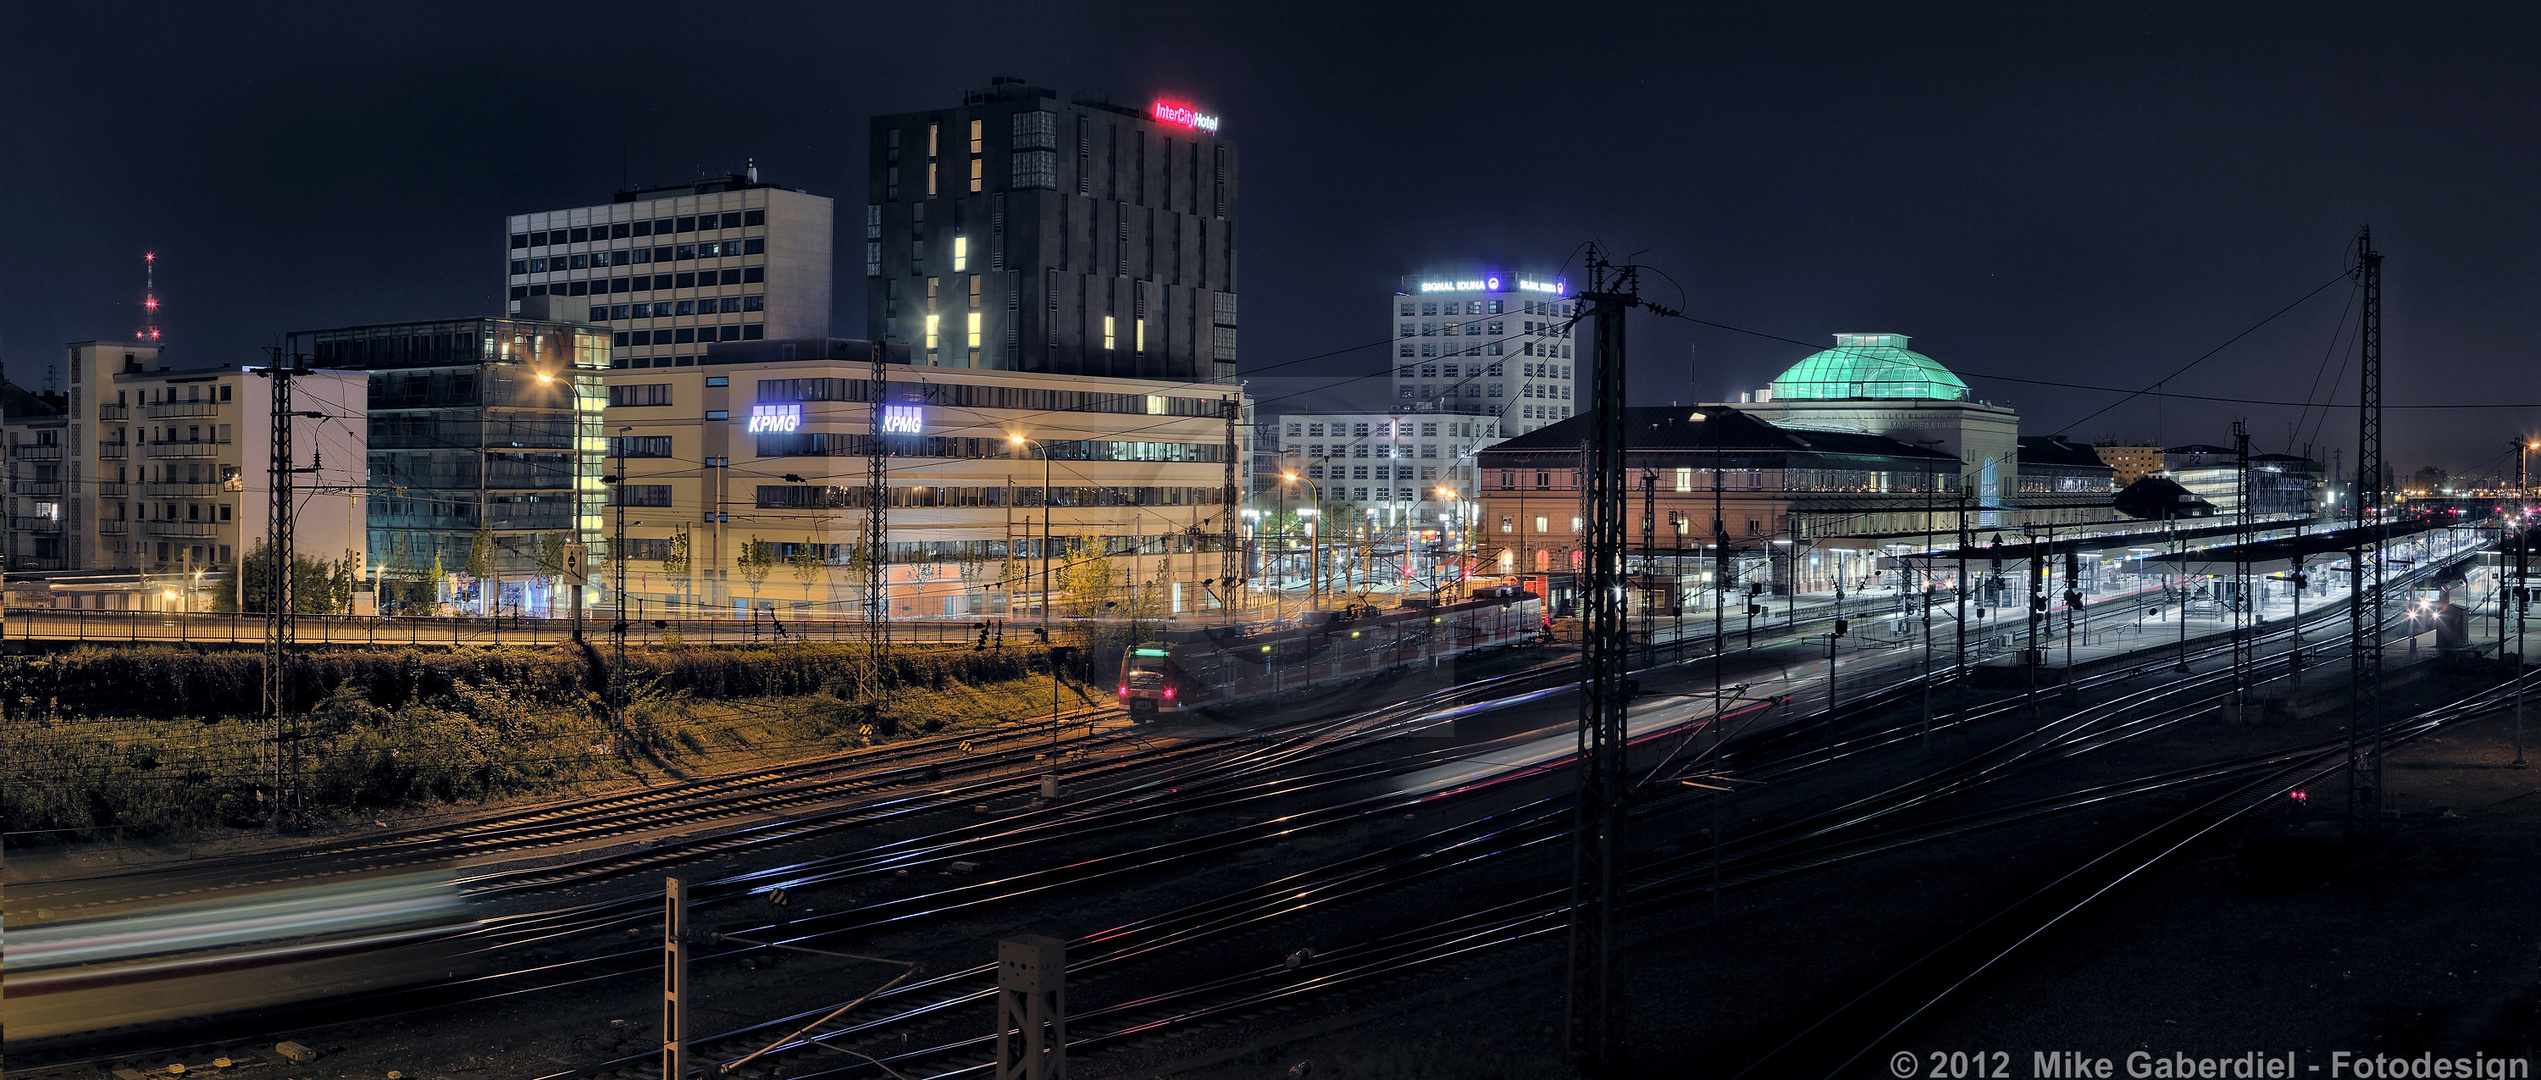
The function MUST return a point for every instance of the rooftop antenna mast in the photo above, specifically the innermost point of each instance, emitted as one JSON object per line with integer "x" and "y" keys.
{"x": 149, "y": 332}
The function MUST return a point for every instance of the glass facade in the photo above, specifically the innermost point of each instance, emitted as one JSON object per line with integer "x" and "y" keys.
{"x": 488, "y": 426}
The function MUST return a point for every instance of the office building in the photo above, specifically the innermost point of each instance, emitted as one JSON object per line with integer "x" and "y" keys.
{"x": 669, "y": 270}
{"x": 152, "y": 474}
{"x": 762, "y": 451}
{"x": 2130, "y": 463}
{"x": 1019, "y": 232}
{"x": 483, "y": 430}
{"x": 1489, "y": 343}
{"x": 1383, "y": 471}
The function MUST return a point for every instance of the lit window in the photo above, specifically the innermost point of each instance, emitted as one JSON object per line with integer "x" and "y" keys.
{"x": 1107, "y": 333}
{"x": 961, "y": 253}
{"x": 974, "y": 329}
{"x": 1685, "y": 479}
{"x": 932, "y": 321}
{"x": 931, "y": 131}
{"x": 975, "y": 173}
{"x": 930, "y": 179}
{"x": 1141, "y": 330}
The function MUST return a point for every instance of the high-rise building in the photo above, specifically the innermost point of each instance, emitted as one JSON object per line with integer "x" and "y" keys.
{"x": 1487, "y": 342}
{"x": 482, "y": 432}
{"x": 1023, "y": 233}
{"x": 669, "y": 270}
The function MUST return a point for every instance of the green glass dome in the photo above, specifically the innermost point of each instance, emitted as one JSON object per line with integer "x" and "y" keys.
{"x": 1868, "y": 366}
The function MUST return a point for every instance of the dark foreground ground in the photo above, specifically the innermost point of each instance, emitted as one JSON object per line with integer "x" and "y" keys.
{"x": 2274, "y": 939}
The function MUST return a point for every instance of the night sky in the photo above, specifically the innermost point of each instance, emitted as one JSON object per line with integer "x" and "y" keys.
{"x": 2070, "y": 200}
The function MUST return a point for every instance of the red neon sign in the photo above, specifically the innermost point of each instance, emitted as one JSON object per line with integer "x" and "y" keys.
{"x": 1183, "y": 116}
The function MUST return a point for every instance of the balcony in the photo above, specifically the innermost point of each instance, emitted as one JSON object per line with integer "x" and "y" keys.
{"x": 35, "y": 487}
{"x": 113, "y": 489}
{"x": 36, "y": 524}
{"x": 114, "y": 450}
{"x": 191, "y": 448}
{"x": 37, "y": 452}
{"x": 114, "y": 412}
{"x": 173, "y": 409}
{"x": 180, "y": 490}
{"x": 179, "y": 528}
{"x": 114, "y": 528}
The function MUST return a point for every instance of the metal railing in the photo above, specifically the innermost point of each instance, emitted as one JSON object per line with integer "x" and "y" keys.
{"x": 114, "y": 450}
{"x": 114, "y": 412}
{"x": 37, "y": 452}
{"x": 36, "y": 524}
{"x": 167, "y": 409}
{"x": 184, "y": 449}
{"x": 180, "y": 490}
{"x": 114, "y": 527}
{"x": 179, "y": 528}
{"x": 113, "y": 489}
{"x": 35, "y": 487}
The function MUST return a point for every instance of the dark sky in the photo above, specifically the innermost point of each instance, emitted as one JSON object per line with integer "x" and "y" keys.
{"x": 2091, "y": 201}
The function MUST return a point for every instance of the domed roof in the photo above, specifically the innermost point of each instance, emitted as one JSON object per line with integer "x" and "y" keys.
{"x": 1868, "y": 366}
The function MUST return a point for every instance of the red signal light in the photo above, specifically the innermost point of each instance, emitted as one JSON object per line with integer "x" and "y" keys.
{"x": 1169, "y": 693}
{"x": 1124, "y": 691}
{"x": 2301, "y": 796}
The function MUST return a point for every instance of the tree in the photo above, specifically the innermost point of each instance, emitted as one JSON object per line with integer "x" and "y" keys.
{"x": 320, "y": 586}
{"x": 675, "y": 560}
{"x": 756, "y": 559}
{"x": 806, "y": 561}
{"x": 2430, "y": 479}
{"x": 480, "y": 569}
{"x": 1085, "y": 576}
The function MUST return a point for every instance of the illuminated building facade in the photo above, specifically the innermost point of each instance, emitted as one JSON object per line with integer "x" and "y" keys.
{"x": 1484, "y": 342}
{"x": 764, "y": 446}
{"x": 668, "y": 271}
{"x": 1019, "y": 232}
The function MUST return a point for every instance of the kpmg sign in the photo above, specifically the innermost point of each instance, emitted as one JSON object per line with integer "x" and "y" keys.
{"x": 902, "y": 419}
{"x": 775, "y": 418}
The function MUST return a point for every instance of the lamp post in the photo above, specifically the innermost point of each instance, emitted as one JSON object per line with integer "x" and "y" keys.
{"x": 1049, "y": 780}
{"x": 1447, "y": 527}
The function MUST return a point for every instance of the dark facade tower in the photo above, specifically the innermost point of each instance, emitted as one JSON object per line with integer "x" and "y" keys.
{"x": 1020, "y": 232}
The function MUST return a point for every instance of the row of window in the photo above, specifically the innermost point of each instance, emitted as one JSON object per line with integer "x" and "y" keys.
{"x": 809, "y": 497}
{"x": 1382, "y": 450}
{"x": 686, "y": 335}
{"x": 601, "y": 260}
{"x": 1362, "y": 429}
{"x": 1406, "y": 351}
{"x": 1399, "y": 494}
{"x": 1483, "y": 307}
{"x": 665, "y": 309}
{"x": 1360, "y": 472}
{"x": 858, "y": 444}
{"x": 748, "y": 275}
{"x": 731, "y": 219}
{"x": 974, "y": 396}
{"x": 1698, "y": 480}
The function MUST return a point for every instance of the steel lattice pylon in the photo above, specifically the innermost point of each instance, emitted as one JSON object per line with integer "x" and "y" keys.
{"x": 2364, "y": 792}
{"x": 1596, "y": 1002}
{"x": 877, "y": 522}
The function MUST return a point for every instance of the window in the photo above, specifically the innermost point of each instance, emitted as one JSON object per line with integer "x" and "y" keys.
{"x": 1141, "y": 329}
{"x": 520, "y": 240}
{"x": 1685, "y": 479}
{"x": 1108, "y": 341}
{"x": 754, "y": 302}
{"x": 647, "y": 446}
{"x": 961, "y": 253}
{"x": 1543, "y": 524}
{"x": 644, "y": 494}
{"x": 973, "y": 329}
{"x": 754, "y": 217}
{"x": 640, "y": 394}
{"x": 933, "y": 323}
{"x": 718, "y": 414}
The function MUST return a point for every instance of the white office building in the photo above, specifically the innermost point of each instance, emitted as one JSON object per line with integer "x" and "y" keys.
{"x": 668, "y": 271}
{"x": 1381, "y": 471}
{"x": 1487, "y": 343}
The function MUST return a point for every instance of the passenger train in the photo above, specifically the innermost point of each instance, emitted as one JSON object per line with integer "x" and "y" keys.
{"x": 1189, "y": 669}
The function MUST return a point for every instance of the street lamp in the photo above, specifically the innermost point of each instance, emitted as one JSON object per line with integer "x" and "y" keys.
{"x": 1049, "y": 780}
